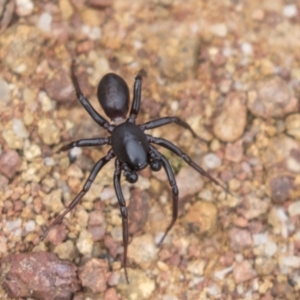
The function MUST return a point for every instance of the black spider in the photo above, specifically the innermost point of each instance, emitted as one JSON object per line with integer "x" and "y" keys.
{"x": 130, "y": 145}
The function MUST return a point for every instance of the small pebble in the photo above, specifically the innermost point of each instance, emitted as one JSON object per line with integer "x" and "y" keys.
{"x": 19, "y": 128}
{"x": 84, "y": 243}
{"x": 111, "y": 294}
{"x": 201, "y": 217}
{"x": 44, "y": 22}
{"x": 24, "y": 7}
{"x": 212, "y": 161}
{"x": 4, "y": 91}
{"x": 219, "y": 29}
{"x": 93, "y": 274}
{"x": 186, "y": 179}
{"x": 293, "y": 125}
{"x": 243, "y": 271}
{"x": 290, "y": 10}
{"x": 294, "y": 208}
{"x": 10, "y": 162}
{"x": 142, "y": 250}
{"x": 240, "y": 239}
{"x": 272, "y": 98}
{"x": 48, "y": 131}
{"x": 53, "y": 202}
{"x": 142, "y": 288}
{"x": 30, "y": 225}
{"x": 227, "y": 127}
{"x": 66, "y": 250}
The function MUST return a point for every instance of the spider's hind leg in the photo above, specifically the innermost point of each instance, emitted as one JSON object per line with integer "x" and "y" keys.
{"x": 171, "y": 177}
{"x": 124, "y": 213}
{"x": 84, "y": 190}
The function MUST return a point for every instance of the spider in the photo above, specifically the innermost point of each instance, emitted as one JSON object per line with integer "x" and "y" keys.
{"x": 131, "y": 147}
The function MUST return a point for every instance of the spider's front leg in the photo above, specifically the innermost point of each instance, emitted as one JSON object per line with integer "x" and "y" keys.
{"x": 85, "y": 143}
{"x": 137, "y": 92}
{"x": 168, "y": 120}
{"x": 85, "y": 102}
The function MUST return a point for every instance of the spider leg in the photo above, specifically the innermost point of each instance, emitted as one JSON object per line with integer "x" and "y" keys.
{"x": 137, "y": 91}
{"x": 85, "y": 143}
{"x": 86, "y": 104}
{"x": 166, "y": 144}
{"x": 124, "y": 213}
{"x": 167, "y": 120}
{"x": 84, "y": 190}
{"x": 172, "y": 182}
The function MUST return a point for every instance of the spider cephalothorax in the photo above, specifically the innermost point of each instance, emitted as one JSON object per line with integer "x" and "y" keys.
{"x": 129, "y": 144}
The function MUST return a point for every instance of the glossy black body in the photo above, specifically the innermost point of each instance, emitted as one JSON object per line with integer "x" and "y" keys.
{"x": 113, "y": 96}
{"x": 130, "y": 146}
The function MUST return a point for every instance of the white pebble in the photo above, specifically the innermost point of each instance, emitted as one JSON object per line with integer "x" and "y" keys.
{"x": 117, "y": 233}
{"x": 85, "y": 243}
{"x": 44, "y": 22}
{"x": 49, "y": 161}
{"x": 214, "y": 291}
{"x": 290, "y": 10}
{"x": 24, "y": 7}
{"x": 227, "y": 51}
{"x": 19, "y": 128}
{"x": 196, "y": 267}
{"x": 30, "y": 225}
{"x": 260, "y": 238}
{"x": 75, "y": 152}
{"x": 94, "y": 33}
{"x": 13, "y": 225}
{"x": 219, "y": 29}
{"x": 4, "y": 91}
{"x": 222, "y": 273}
{"x": 270, "y": 248}
{"x": 169, "y": 297}
{"x": 294, "y": 209}
{"x": 246, "y": 48}
{"x": 212, "y": 161}
{"x": 289, "y": 262}
{"x": 45, "y": 101}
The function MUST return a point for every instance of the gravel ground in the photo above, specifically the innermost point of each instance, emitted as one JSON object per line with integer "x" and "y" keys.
{"x": 231, "y": 69}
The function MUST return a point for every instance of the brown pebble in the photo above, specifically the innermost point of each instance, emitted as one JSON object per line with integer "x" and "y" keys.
{"x": 57, "y": 235}
{"x": 10, "y": 162}
{"x": 100, "y": 3}
{"x": 96, "y": 218}
{"x": 243, "y": 271}
{"x": 202, "y": 217}
{"x": 112, "y": 245}
{"x": 59, "y": 87}
{"x": 175, "y": 260}
{"x": 97, "y": 232}
{"x": 234, "y": 151}
{"x": 93, "y": 274}
{"x": 272, "y": 98}
{"x": 138, "y": 209}
{"x": 240, "y": 239}
{"x": 39, "y": 275}
{"x": 227, "y": 127}
{"x": 111, "y": 294}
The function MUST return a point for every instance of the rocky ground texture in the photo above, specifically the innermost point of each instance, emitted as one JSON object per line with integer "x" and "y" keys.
{"x": 231, "y": 69}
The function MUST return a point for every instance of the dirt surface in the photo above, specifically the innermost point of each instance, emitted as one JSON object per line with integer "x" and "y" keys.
{"x": 231, "y": 69}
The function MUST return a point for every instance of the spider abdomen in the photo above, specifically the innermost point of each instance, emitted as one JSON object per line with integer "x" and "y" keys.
{"x": 113, "y": 96}
{"x": 130, "y": 145}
